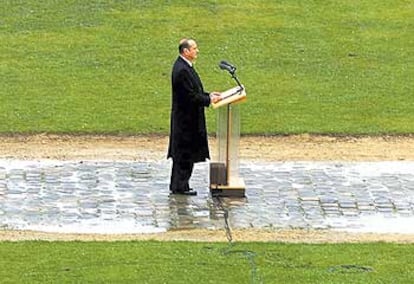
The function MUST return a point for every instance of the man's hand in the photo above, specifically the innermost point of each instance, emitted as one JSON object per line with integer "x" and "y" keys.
{"x": 215, "y": 97}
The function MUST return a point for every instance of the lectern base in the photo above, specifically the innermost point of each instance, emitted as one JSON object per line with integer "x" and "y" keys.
{"x": 236, "y": 188}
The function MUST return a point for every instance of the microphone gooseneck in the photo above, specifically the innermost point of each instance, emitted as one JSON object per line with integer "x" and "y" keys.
{"x": 224, "y": 65}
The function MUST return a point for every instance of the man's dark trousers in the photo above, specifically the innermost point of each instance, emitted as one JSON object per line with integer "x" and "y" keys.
{"x": 180, "y": 176}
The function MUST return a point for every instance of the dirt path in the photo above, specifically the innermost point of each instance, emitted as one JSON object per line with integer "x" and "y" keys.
{"x": 277, "y": 148}
{"x": 204, "y": 235}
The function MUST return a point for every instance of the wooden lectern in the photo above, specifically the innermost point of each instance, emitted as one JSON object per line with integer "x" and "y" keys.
{"x": 224, "y": 173}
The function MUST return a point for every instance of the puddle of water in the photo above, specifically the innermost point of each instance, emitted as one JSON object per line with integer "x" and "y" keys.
{"x": 263, "y": 206}
{"x": 96, "y": 227}
{"x": 382, "y": 225}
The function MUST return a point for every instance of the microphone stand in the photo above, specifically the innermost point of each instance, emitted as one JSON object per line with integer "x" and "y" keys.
{"x": 233, "y": 75}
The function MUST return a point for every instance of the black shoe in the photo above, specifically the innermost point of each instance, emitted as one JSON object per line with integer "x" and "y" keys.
{"x": 189, "y": 192}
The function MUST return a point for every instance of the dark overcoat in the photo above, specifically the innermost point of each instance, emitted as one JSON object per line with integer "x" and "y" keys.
{"x": 188, "y": 133}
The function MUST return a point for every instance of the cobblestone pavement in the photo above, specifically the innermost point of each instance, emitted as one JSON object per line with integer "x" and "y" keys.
{"x": 133, "y": 197}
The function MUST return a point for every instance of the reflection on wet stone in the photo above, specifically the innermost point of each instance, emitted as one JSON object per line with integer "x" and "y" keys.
{"x": 128, "y": 197}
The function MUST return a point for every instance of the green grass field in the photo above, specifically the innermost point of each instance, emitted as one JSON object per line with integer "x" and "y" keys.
{"x": 187, "y": 262}
{"x": 103, "y": 66}
{"x": 330, "y": 67}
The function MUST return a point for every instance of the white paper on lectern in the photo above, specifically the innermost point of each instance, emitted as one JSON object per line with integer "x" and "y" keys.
{"x": 231, "y": 95}
{"x": 232, "y": 92}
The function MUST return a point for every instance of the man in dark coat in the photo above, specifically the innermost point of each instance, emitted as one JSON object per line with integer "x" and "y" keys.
{"x": 188, "y": 135}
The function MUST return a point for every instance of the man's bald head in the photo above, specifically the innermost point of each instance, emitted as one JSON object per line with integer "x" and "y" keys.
{"x": 188, "y": 49}
{"x": 185, "y": 43}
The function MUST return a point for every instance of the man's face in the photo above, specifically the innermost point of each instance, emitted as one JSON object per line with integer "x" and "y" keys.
{"x": 191, "y": 52}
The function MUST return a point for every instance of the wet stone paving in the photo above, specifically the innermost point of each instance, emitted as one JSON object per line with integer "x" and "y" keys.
{"x": 133, "y": 197}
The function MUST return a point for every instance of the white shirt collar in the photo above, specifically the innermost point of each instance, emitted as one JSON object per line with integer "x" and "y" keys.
{"x": 186, "y": 60}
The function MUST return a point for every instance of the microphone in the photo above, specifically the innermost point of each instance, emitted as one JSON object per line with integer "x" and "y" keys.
{"x": 224, "y": 65}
